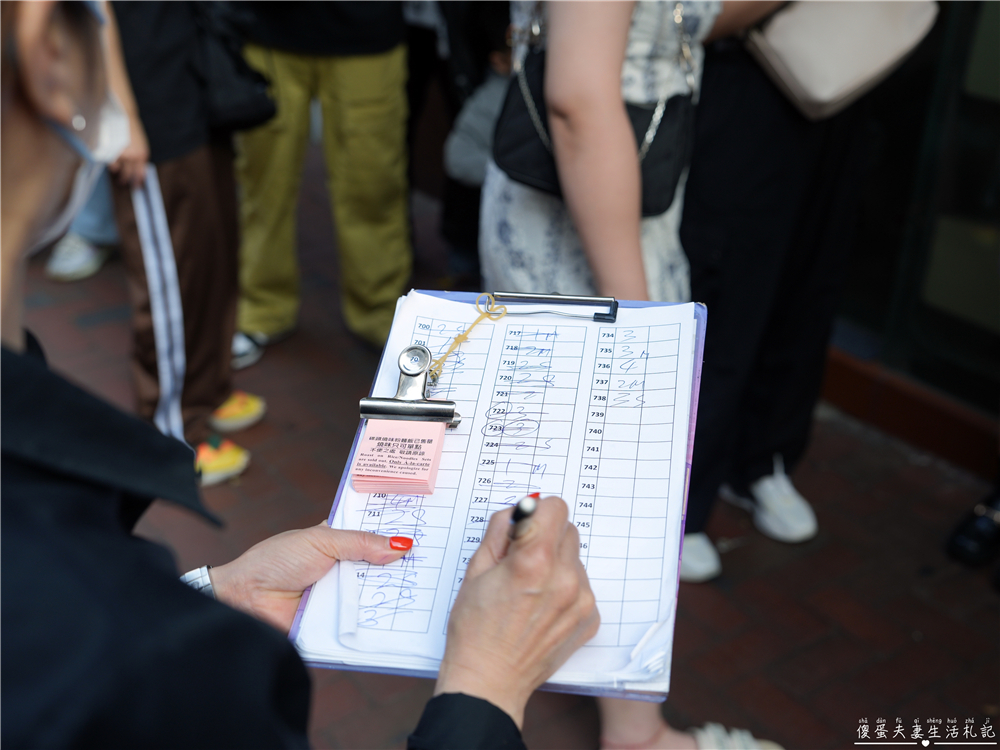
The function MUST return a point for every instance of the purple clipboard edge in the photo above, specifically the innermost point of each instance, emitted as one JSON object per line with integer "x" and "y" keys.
{"x": 701, "y": 321}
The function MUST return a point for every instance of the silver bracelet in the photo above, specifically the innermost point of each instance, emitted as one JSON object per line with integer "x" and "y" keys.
{"x": 199, "y": 580}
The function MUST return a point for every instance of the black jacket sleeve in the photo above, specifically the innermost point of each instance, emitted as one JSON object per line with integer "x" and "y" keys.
{"x": 455, "y": 721}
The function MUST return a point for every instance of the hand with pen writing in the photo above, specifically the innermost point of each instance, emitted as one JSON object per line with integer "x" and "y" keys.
{"x": 268, "y": 579}
{"x": 524, "y": 607}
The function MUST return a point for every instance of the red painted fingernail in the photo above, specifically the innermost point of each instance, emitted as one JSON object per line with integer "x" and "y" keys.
{"x": 400, "y": 542}
{"x": 535, "y": 495}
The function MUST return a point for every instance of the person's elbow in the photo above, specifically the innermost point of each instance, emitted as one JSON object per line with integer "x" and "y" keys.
{"x": 578, "y": 108}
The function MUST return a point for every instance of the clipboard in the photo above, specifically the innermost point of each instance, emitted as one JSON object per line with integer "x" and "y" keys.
{"x": 608, "y": 309}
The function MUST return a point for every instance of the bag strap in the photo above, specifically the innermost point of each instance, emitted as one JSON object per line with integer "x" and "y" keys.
{"x": 534, "y": 33}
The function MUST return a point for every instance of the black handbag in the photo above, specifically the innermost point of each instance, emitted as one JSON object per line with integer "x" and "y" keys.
{"x": 523, "y": 150}
{"x": 237, "y": 95}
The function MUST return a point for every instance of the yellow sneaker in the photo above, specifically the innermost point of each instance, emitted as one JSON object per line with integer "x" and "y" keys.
{"x": 218, "y": 460}
{"x": 239, "y": 411}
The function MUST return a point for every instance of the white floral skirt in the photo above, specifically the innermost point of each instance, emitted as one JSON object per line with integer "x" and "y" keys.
{"x": 527, "y": 243}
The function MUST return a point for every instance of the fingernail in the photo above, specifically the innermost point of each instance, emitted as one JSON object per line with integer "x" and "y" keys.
{"x": 400, "y": 542}
{"x": 535, "y": 495}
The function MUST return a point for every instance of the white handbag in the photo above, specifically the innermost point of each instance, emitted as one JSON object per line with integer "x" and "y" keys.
{"x": 824, "y": 55}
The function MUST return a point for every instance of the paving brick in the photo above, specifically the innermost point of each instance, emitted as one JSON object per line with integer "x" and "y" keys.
{"x": 918, "y": 666}
{"x": 986, "y": 620}
{"x": 761, "y": 600}
{"x": 858, "y": 620}
{"x": 220, "y": 498}
{"x": 693, "y": 702}
{"x": 110, "y": 382}
{"x": 383, "y": 689}
{"x": 785, "y": 719}
{"x": 926, "y": 622}
{"x": 691, "y": 638}
{"x": 925, "y": 705}
{"x": 262, "y": 483}
{"x": 843, "y": 703}
{"x": 877, "y": 581}
{"x": 710, "y": 607}
{"x": 820, "y": 566}
{"x": 294, "y": 444}
{"x": 961, "y": 592}
{"x": 370, "y": 728}
{"x": 310, "y": 477}
{"x": 334, "y": 697}
{"x": 260, "y": 435}
{"x": 576, "y": 726}
{"x": 389, "y": 711}
{"x": 756, "y": 555}
{"x": 868, "y": 539}
{"x": 832, "y": 492}
{"x": 289, "y": 413}
{"x": 820, "y": 664}
{"x": 976, "y": 692}
{"x": 741, "y": 655}
{"x": 729, "y": 522}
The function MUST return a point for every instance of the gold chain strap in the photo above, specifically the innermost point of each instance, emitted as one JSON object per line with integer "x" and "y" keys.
{"x": 493, "y": 311}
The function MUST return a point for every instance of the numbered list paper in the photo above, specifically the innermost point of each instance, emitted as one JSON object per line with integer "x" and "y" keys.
{"x": 595, "y": 413}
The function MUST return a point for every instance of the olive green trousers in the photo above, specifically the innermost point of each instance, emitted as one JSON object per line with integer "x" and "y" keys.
{"x": 363, "y": 101}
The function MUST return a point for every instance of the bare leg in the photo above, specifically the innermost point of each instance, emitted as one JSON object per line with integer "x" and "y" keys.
{"x": 637, "y": 725}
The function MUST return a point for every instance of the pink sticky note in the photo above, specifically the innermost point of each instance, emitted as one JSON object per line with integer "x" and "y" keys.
{"x": 398, "y": 456}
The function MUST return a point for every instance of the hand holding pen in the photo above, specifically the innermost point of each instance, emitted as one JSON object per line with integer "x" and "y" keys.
{"x": 524, "y": 607}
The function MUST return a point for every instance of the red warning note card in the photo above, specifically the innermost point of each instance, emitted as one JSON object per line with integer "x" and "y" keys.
{"x": 398, "y": 456}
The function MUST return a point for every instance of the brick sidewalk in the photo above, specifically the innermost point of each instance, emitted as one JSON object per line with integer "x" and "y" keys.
{"x": 796, "y": 643}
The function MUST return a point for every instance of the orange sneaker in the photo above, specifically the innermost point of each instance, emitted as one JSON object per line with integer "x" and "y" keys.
{"x": 218, "y": 460}
{"x": 238, "y": 412}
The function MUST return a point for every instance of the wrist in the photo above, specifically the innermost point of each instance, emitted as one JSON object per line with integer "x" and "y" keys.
{"x": 454, "y": 678}
{"x": 226, "y": 586}
{"x": 623, "y": 281}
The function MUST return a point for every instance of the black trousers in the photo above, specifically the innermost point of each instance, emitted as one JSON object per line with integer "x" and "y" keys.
{"x": 768, "y": 215}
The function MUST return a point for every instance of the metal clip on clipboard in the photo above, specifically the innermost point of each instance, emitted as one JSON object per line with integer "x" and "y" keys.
{"x": 410, "y": 402}
{"x": 610, "y": 316}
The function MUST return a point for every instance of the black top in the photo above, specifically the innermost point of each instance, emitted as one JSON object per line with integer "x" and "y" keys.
{"x": 103, "y": 646}
{"x": 323, "y": 28}
{"x": 163, "y": 58}
{"x": 455, "y": 721}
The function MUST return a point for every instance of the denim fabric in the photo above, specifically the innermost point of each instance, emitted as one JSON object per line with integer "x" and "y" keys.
{"x": 96, "y": 222}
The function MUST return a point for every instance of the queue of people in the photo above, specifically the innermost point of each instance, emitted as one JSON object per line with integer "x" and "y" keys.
{"x": 206, "y": 226}
{"x": 104, "y": 645}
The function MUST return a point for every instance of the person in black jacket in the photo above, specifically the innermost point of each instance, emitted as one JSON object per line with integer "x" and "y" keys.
{"x": 103, "y": 646}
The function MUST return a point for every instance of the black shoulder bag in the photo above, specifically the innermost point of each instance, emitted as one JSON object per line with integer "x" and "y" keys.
{"x": 523, "y": 150}
{"x": 236, "y": 93}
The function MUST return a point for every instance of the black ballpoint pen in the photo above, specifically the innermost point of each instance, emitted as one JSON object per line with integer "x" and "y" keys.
{"x": 523, "y": 511}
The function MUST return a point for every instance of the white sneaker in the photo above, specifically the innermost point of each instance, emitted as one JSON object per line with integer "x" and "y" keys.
{"x": 779, "y": 511}
{"x": 245, "y": 350}
{"x": 699, "y": 559}
{"x": 717, "y": 737}
{"x": 74, "y": 258}
{"x": 248, "y": 348}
